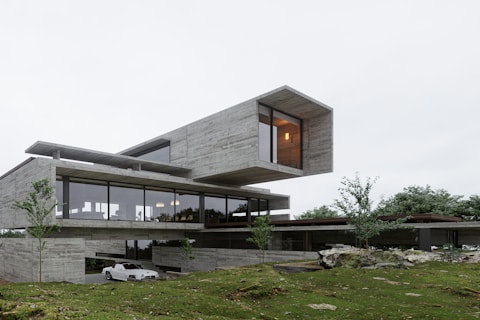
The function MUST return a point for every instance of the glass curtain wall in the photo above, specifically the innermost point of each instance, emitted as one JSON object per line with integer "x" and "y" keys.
{"x": 258, "y": 207}
{"x": 237, "y": 209}
{"x": 88, "y": 200}
{"x": 126, "y": 203}
{"x": 159, "y": 205}
{"x": 100, "y": 200}
{"x": 59, "y": 197}
{"x": 187, "y": 207}
{"x": 162, "y": 154}
{"x": 215, "y": 209}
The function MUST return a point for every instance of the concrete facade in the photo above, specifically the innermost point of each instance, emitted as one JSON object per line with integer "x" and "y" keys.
{"x": 216, "y": 157}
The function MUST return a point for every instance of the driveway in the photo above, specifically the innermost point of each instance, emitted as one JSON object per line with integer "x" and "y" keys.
{"x": 95, "y": 278}
{"x": 98, "y": 278}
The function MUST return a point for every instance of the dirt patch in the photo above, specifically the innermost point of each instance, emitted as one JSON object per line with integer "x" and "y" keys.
{"x": 307, "y": 266}
{"x": 4, "y": 282}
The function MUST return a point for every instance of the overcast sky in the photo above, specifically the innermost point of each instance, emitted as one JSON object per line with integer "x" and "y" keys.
{"x": 403, "y": 78}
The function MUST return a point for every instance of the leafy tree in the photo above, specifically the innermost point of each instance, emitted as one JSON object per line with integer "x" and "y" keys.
{"x": 416, "y": 200}
{"x": 12, "y": 234}
{"x": 471, "y": 208}
{"x": 356, "y": 204}
{"x": 262, "y": 232}
{"x": 318, "y": 213}
{"x": 38, "y": 207}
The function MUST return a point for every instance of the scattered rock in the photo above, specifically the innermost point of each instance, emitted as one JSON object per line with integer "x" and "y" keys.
{"x": 350, "y": 257}
{"x": 323, "y": 306}
{"x": 413, "y": 294}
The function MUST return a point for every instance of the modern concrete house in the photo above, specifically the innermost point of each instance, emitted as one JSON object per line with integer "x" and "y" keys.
{"x": 125, "y": 204}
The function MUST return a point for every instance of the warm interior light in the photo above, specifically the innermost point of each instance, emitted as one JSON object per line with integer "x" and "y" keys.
{"x": 177, "y": 203}
{"x": 160, "y": 205}
{"x": 287, "y": 135}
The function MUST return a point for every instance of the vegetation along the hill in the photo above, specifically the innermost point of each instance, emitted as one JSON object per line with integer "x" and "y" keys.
{"x": 434, "y": 290}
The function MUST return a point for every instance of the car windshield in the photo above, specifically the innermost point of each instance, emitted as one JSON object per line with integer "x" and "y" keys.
{"x": 130, "y": 266}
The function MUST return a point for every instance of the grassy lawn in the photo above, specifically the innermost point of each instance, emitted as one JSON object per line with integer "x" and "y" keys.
{"x": 428, "y": 291}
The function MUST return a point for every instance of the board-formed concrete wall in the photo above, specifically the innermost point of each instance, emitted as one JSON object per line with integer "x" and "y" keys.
{"x": 63, "y": 260}
{"x": 17, "y": 185}
{"x": 93, "y": 248}
{"x": 211, "y": 258}
{"x": 219, "y": 143}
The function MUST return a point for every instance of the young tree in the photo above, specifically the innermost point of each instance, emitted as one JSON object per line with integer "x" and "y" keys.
{"x": 323, "y": 212}
{"x": 38, "y": 207}
{"x": 261, "y": 234}
{"x": 356, "y": 204}
{"x": 187, "y": 249}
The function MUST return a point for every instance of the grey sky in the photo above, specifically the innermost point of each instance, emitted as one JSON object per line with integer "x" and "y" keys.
{"x": 403, "y": 78}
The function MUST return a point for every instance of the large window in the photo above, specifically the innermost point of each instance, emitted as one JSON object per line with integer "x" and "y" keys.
{"x": 102, "y": 200}
{"x": 187, "y": 207}
{"x": 258, "y": 207}
{"x": 159, "y": 205}
{"x": 280, "y": 137}
{"x": 88, "y": 200}
{"x": 215, "y": 209}
{"x": 237, "y": 210}
{"x": 126, "y": 203}
{"x": 159, "y": 154}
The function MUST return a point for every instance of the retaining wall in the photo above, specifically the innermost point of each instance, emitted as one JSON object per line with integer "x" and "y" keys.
{"x": 211, "y": 258}
{"x": 63, "y": 260}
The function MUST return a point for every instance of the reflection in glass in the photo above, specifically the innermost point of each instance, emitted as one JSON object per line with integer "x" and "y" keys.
{"x": 158, "y": 205}
{"x": 264, "y": 138}
{"x": 59, "y": 197}
{"x": 131, "y": 254}
{"x": 126, "y": 203}
{"x": 187, "y": 207}
{"x": 237, "y": 209}
{"x": 161, "y": 154}
{"x": 88, "y": 201}
{"x": 215, "y": 209}
{"x": 144, "y": 249}
{"x": 258, "y": 207}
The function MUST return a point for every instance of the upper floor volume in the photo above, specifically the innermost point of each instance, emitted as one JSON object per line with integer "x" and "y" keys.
{"x": 278, "y": 135}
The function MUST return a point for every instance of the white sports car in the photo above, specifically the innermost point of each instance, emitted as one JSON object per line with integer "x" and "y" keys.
{"x": 125, "y": 271}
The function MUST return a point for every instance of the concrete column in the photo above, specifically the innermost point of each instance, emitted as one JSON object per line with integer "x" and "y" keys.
{"x": 56, "y": 155}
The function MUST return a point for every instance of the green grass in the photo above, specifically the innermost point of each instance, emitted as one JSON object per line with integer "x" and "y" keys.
{"x": 427, "y": 291}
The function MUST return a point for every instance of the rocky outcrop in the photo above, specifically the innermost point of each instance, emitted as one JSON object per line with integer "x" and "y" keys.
{"x": 350, "y": 257}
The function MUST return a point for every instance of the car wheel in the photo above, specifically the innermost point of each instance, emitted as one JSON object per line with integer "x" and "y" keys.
{"x": 108, "y": 275}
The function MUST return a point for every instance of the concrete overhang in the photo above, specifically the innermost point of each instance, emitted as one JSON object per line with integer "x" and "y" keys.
{"x": 256, "y": 172}
{"x": 58, "y": 151}
{"x": 293, "y": 102}
{"x": 128, "y": 225}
